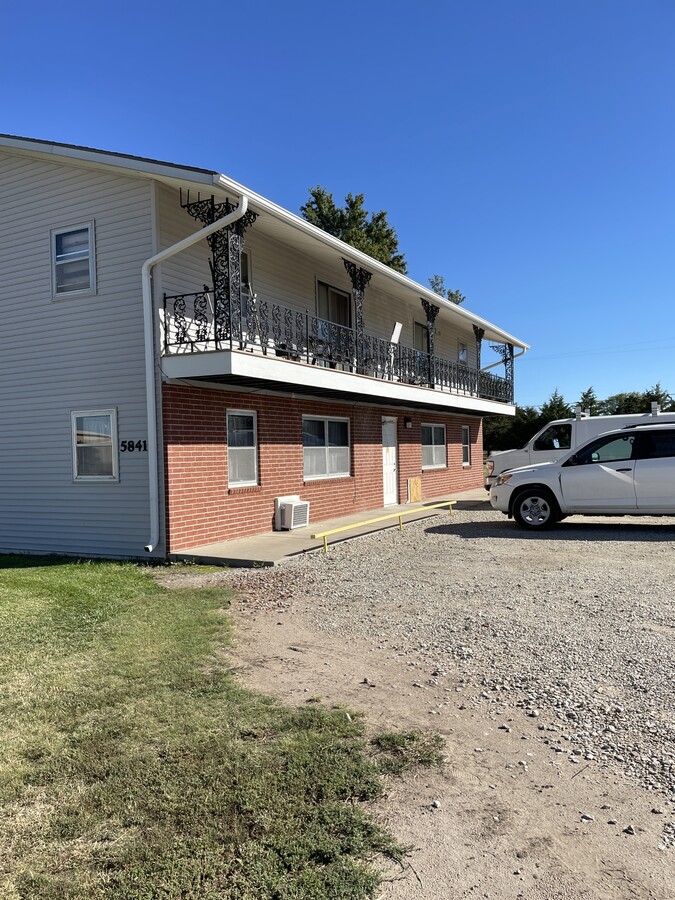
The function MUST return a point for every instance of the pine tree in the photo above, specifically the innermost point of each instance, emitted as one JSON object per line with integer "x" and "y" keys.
{"x": 437, "y": 285}
{"x": 369, "y": 232}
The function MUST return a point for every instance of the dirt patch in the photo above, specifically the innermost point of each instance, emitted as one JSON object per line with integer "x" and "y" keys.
{"x": 509, "y": 824}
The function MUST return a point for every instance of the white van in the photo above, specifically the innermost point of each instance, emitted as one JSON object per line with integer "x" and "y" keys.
{"x": 556, "y": 438}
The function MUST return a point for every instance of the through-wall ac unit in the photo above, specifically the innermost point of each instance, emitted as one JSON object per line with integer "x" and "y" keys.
{"x": 294, "y": 515}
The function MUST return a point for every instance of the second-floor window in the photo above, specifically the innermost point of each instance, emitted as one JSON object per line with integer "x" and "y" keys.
{"x": 421, "y": 337}
{"x": 462, "y": 354}
{"x": 73, "y": 260}
{"x": 333, "y": 305}
{"x": 246, "y": 288}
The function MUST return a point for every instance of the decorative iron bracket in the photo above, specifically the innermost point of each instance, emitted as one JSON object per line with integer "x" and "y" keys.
{"x": 479, "y": 334}
{"x": 359, "y": 278}
{"x": 506, "y": 353}
{"x": 225, "y": 264}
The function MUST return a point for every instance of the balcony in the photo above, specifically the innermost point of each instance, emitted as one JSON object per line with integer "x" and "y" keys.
{"x": 195, "y": 324}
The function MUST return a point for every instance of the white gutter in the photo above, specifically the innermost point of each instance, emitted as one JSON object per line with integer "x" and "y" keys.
{"x": 501, "y": 361}
{"x": 148, "y": 334}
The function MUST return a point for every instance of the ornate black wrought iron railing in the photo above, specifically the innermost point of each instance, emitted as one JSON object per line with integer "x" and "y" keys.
{"x": 195, "y": 323}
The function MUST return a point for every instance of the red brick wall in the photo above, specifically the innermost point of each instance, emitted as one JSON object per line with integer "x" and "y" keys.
{"x": 200, "y": 507}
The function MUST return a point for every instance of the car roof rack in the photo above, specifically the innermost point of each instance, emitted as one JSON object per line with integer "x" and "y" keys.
{"x": 650, "y": 424}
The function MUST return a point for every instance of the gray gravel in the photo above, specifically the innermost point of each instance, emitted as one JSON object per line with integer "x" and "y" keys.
{"x": 574, "y": 627}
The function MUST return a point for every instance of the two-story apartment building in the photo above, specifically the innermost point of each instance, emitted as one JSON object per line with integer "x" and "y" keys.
{"x": 179, "y": 351}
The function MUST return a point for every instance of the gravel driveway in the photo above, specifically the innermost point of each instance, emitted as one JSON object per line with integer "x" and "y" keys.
{"x": 578, "y": 622}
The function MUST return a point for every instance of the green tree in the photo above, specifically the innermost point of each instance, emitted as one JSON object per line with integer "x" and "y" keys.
{"x": 505, "y": 432}
{"x": 369, "y": 232}
{"x": 659, "y": 395}
{"x": 589, "y": 401}
{"x": 623, "y": 404}
{"x": 437, "y": 285}
{"x": 556, "y": 407}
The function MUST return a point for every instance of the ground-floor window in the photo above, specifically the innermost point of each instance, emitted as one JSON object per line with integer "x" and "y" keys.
{"x": 325, "y": 444}
{"x": 466, "y": 445}
{"x": 94, "y": 437}
{"x": 433, "y": 447}
{"x": 242, "y": 448}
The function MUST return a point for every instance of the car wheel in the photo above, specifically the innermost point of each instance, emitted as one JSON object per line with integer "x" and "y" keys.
{"x": 535, "y": 509}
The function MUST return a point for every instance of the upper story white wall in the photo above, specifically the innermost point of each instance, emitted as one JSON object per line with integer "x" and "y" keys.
{"x": 283, "y": 275}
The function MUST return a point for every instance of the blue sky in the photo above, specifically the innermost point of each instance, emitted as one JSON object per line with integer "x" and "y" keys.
{"x": 524, "y": 149}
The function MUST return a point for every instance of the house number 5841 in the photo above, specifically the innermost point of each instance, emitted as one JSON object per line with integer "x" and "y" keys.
{"x": 133, "y": 446}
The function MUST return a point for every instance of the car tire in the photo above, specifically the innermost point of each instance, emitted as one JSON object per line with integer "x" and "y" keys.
{"x": 535, "y": 509}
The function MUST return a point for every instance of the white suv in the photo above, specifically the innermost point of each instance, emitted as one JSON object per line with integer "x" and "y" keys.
{"x": 630, "y": 472}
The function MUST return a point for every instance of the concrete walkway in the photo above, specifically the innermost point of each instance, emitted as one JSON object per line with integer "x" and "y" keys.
{"x": 274, "y": 547}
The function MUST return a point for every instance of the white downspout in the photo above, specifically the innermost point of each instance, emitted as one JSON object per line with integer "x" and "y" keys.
{"x": 148, "y": 334}
{"x": 501, "y": 361}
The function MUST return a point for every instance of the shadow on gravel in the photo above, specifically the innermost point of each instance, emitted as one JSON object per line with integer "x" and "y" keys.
{"x": 574, "y": 530}
{"x": 473, "y": 504}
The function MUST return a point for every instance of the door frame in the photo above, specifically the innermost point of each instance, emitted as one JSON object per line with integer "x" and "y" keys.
{"x": 390, "y": 420}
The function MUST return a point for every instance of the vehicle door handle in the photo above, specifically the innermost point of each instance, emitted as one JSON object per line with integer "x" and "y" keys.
{"x": 624, "y": 470}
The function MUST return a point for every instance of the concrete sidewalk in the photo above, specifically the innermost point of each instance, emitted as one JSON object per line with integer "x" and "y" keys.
{"x": 274, "y": 547}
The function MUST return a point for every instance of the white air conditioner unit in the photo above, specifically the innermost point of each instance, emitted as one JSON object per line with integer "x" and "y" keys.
{"x": 278, "y": 502}
{"x": 294, "y": 515}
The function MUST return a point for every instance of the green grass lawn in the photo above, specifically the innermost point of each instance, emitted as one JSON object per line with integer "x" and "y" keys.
{"x": 132, "y": 765}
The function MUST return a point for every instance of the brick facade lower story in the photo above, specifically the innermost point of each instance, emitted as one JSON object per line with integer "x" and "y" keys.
{"x": 202, "y": 508}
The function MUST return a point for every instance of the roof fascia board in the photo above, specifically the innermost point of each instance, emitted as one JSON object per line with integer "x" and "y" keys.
{"x": 100, "y": 157}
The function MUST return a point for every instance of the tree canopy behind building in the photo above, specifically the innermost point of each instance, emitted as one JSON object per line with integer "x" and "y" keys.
{"x": 503, "y": 433}
{"x": 369, "y": 232}
{"x": 437, "y": 285}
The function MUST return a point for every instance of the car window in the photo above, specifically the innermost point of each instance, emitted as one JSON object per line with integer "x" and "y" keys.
{"x": 557, "y": 437}
{"x": 656, "y": 444}
{"x": 607, "y": 449}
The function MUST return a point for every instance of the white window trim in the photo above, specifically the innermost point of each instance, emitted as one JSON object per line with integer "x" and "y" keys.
{"x": 85, "y": 292}
{"x": 432, "y": 425}
{"x": 462, "y": 348}
{"x": 466, "y": 431}
{"x": 242, "y": 412}
{"x": 74, "y": 413}
{"x": 329, "y": 475}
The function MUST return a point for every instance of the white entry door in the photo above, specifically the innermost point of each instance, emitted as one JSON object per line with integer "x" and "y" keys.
{"x": 389, "y": 461}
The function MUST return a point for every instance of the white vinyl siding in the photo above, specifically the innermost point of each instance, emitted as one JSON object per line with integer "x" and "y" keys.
{"x": 242, "y": 448}
{"x": 73, "y": 260}
{"x": 466, "y": 445}
{"x": 63, "y": 356}
{"x": 94, "y": 434}
{"x": 433, "y": 447}
{"x": 325, "y": 445}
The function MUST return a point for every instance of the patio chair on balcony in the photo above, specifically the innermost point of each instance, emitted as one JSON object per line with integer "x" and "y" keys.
{"x": 287, "y": 350}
